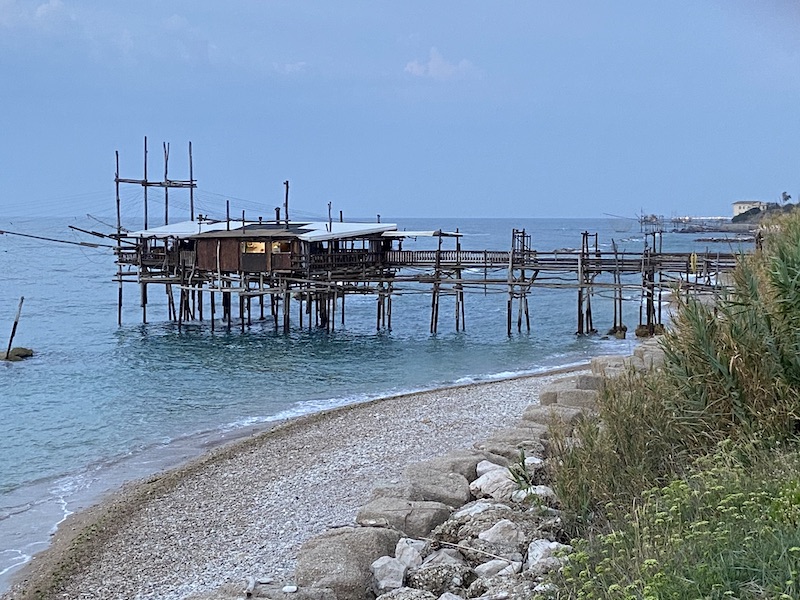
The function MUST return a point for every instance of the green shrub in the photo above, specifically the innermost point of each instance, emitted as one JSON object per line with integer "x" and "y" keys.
{"x": 629, "y": 446}
{"x": 687, "y": 484}
{"x": 728, "y": 530}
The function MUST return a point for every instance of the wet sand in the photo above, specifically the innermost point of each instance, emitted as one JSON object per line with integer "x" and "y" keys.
{"x": 245, "y": 508}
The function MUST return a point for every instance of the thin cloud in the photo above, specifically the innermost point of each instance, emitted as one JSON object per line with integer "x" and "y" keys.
{"x": 49, "y": 9}
{"x": 290, "y": 68}
{"x": 437, "y": 67}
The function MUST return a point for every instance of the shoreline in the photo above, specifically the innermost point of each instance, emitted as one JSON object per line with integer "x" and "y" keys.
{"x": 261, "y": 490}
{"x": 35, "y": 512}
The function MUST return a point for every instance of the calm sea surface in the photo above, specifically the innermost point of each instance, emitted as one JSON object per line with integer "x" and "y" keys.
{"x": 101, "y": 404}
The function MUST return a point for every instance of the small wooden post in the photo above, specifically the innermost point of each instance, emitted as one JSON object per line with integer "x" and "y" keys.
{"x": 286, "y": 300}
{"x": 300, "y": 307}
{"x": 213, "y": 308}
{"x": 14, "y": 328}
{"x": 388, "y": 306}
{"x": 380, "y": 299}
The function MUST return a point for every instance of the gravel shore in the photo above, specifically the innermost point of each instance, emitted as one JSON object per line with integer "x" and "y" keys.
{"x": 245, "y": 509}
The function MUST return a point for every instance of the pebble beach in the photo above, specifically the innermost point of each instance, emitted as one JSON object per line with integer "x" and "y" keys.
{"x": 244, "y": 509}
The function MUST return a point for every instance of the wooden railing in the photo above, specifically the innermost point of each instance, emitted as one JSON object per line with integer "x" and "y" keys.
{"x": 567, "y": 261}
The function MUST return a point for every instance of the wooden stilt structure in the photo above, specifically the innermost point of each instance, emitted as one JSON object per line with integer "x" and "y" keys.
{"x": 320, "y": 264}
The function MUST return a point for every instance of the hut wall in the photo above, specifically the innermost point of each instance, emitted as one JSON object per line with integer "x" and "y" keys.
{"x": 228, "y": 254}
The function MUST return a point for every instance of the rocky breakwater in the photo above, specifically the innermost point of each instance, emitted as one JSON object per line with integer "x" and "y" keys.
{"x": 478, "y": 523}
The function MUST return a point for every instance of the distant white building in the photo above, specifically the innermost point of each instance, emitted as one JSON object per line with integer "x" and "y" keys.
{"x": 742, "y": 206}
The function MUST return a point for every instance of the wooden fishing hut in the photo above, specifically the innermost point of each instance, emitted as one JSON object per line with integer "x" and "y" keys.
{"x": 314, "y": 263}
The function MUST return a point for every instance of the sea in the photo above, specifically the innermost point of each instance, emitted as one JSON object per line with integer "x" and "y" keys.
{"x": 100, "y": 404}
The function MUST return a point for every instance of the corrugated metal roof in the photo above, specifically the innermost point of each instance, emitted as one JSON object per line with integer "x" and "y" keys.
{"x": 319, "y": 231}
{"x": 437, "y": 233}
{"x": 182, "y": 229}
{"x": 311, "y": 232}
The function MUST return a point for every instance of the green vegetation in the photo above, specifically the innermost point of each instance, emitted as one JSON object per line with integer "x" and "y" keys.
{"x": 687, "y": 485}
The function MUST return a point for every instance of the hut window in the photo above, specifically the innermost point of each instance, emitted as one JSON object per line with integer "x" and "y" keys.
{"x": 254, "y": 247}
{"x": 281, "y": 246}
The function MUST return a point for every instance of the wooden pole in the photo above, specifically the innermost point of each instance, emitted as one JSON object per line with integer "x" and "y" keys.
{"x": 213, "y": 308}
{"x": 166, "y": 188}
{"x": 14, "y": 328}
{"x": 191, "y": 185}
{"x": 241, "y": 310}
{"x": 300, "y": 307}
{"x": 145, "y": 181}
{"x": 119, "y": 245}
{"x": 286, "y": 204}
{"x": 286, "y": 299}
{"x": 510, "y": 308}
{"x": 388, "y": 307}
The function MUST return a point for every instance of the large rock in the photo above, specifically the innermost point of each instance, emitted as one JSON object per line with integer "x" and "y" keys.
{"x": 608, "y": 365}
{"x": 549, "y": 394}
{"x": 543, "y": 550}
{"x": 445, "y": 556}
{"x": 432, "y": 484}
{"x": 498, "y": 568}
{"x": 388, "y": 574}
{"x": 413, "y": 518}
{"x": 462, "y": 462}
{"x": 589, "y": 381}
{"x": 394, "y": 489}
{"x": 441, "y": 578}
{"x": 509, "y": 451}
{"x": 553, "y": 413}
{"x": 340, "y": 559}
{"x": 503, "y": 533}
{"x": 579, "y": 398}
{"x": 484, "y": 467}
{"x": 495, "y": 484}
{"x": 410, "y": 552}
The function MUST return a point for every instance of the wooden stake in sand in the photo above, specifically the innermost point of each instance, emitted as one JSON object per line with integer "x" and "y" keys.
{"x": 14, "y": 328}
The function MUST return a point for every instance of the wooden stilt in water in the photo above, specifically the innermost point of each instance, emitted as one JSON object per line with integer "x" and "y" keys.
{"x": 241, "y": 311}
{"x": 14, "y": 327}
{"x": 143, "y": 296}
{"x": 389, "y": 306}
{"x": 510, "y": 307}
{"x": 180, "y": 309}
{"x": 332, "y": 319}
{"x": 213, "y": 309}
{"x": 380, "y": 307}
{"x": 228, "y": 301}
{"x": 286, "y": 300}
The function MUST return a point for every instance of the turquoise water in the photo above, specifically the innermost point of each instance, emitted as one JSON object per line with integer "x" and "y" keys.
{"x": 100, "y": 404}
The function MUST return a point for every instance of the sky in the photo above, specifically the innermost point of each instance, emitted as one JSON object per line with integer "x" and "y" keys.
{"x": 407, "y": 109}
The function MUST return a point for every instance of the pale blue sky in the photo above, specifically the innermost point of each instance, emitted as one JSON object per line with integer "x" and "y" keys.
{"x": 455, "y": 108}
